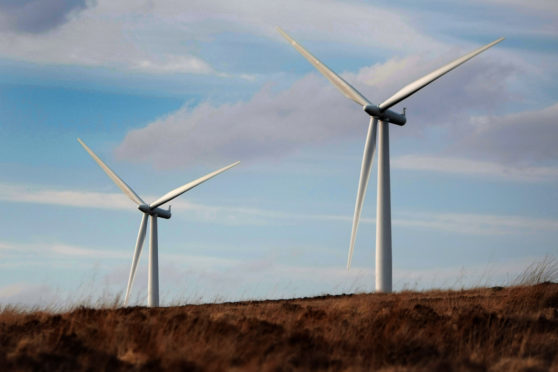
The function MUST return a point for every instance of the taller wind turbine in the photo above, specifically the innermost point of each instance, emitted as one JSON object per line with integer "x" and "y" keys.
{"x": 149, "y": 210}
{"x": 382, "y": 114}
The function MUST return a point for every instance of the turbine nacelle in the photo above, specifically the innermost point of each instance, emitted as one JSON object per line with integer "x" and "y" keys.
{"x": 155, "y": 212}
{"x": 385, "y": 115}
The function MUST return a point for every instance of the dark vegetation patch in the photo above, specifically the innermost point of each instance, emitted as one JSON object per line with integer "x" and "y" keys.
{"x": 496, "y": 329}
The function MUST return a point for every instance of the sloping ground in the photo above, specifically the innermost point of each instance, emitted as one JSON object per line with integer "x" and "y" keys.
{"x": 500, "y": 329}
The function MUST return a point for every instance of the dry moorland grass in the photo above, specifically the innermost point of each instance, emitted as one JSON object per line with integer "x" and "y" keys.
{"x": 494, "y": 329}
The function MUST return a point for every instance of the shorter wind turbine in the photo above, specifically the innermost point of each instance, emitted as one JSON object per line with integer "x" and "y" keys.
{"x": 154, "y": 211}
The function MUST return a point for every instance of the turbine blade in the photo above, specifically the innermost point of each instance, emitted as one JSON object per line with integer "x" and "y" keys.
{"x": 347, "y": 89}
{"x": 182, "y": 189}
{"x": 113, "y": 176}
{"x": 367, "y": 159}
{"x": 137, "y": 253}
{"x": 411, "y": 88}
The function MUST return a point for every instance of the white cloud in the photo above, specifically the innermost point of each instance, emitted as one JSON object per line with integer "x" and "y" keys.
{"x": 69, "y": 250}
{"x": 174, "y": 64}
{"x": 71, "y": 198}
{"x": 519, "y": 147}
{"x": 167, "y": 36}
{"x": 118, "y": 201}
{"x": 272, "y": 124}
{"x": 476, "y": 224}
{"x": 522, "y": 138}
{"x": 464, "y": 166}
{"x": 98, "y": 38}
{"x": 350, "y": 21}
{"x": 461, "y": 223}
{"x": 164, "y": 36}
{"x": 56, "y": 251}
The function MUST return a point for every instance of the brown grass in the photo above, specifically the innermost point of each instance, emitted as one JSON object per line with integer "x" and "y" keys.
{"x": 543, "y": 270}
{"x": 489, "y": 329}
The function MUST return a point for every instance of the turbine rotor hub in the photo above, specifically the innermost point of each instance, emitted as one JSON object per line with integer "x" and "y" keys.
{"x": 155, "y": 212}
{"x": 385, "y": 115}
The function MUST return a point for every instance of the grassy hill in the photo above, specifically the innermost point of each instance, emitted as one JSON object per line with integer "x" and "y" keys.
{"x": 500, "y": 329}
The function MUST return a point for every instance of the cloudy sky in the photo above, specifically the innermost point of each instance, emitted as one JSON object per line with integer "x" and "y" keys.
{"x": 167, "y": 91}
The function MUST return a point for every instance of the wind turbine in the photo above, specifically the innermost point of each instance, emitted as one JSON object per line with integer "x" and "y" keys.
{"x": 382, "y": 114}
{"x": 154, "y": 211}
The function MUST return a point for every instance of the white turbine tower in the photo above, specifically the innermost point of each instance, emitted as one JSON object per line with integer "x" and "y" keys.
{"x": 379, "y": 113}
{"x": 154, "y": 211}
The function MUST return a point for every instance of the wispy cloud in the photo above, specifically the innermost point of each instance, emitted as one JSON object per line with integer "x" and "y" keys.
{"x": 168, "y": 36}
{"x": 174, "y": 64}
{"x": 465, "y": 166}
{"x": 163, "y": 36}
{"x": 57, "y": 250}
{"x": 101, "y": 35}
{"x": 69, "y": 250}
{"x": 461, "y": 223}
{"x": 118, "y": 201}
{"x": 476, "y": 224}
{"x": 70, "y": 198}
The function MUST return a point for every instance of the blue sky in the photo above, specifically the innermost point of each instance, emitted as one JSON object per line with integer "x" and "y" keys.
{"x": 167, "y": 91}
